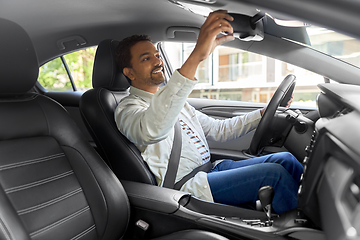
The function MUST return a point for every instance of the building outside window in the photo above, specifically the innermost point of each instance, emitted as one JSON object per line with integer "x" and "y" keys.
{"x": 234, "y": 74}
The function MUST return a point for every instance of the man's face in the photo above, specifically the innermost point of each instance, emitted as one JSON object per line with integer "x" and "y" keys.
{"x": 147, "y": 69}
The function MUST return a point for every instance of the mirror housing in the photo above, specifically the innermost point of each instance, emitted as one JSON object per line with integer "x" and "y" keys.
{"x": 248, "y": 28}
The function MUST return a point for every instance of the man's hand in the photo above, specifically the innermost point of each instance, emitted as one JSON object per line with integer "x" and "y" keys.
{"x": 217, "y": 22}
{"x": 262, "y": 111}
{"x": 287, "y": 105}
{"x": 290, "y": 101}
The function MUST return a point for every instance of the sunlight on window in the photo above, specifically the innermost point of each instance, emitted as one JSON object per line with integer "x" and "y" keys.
{"x": 81, "y": 66}
{"x": 54, "y": 77}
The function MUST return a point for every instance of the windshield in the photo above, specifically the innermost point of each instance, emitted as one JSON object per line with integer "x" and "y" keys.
{"x": 335, "y": 44}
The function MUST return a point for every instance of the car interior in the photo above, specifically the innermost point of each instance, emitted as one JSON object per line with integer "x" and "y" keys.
{"x": 67, "y": 172}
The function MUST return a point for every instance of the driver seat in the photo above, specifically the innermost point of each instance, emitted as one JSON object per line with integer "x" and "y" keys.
{"x": 97, "y": 107}
{"x": 53, "y": 183}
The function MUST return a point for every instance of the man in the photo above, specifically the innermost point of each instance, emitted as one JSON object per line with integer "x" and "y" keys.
{"x": 147, "y": 118}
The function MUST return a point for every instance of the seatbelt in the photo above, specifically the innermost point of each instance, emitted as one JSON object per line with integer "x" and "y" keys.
{"x": 173, "y": 163}
{"x": 204, "y": 168}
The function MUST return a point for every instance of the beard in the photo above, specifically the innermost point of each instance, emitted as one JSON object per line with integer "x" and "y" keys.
{"x": 156, "y": 78}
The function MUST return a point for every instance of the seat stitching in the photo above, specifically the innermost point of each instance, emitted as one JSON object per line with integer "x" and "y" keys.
{"x": 95, "y": 179}
{"x": 61, "y": 221}
{"x": 32, "y": 161}
{"x": 83, "y": 233}
{"x": 49, "y": 203}
{"x": 38, "y": 183}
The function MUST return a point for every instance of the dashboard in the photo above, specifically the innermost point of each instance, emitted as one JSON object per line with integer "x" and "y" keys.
{"x": 329, "y": 193}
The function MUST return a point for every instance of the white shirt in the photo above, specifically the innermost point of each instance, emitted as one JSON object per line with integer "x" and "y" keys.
{"x": 148, "y": 121}
{"x": 200, "y": 146}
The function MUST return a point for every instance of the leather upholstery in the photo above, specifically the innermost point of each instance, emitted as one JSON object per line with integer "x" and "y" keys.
{"x": 106, "y": 73}
{"x": 14, "y": 45}
{"x": 53, "y": 184}
{"x": 53, "y": 178}
{"x": 97, "y": 108}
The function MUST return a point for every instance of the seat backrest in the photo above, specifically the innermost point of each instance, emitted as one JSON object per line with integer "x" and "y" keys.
{"x": 97, "y": 108}
{"x": 53, "y": 184}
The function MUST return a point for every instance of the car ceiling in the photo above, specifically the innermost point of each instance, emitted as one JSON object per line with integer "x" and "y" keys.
{"x": 49, "y": 21}
{"x": 92, "y": 19}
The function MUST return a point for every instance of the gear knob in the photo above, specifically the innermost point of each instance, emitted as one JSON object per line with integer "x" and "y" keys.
{"x": 266, "y": 195}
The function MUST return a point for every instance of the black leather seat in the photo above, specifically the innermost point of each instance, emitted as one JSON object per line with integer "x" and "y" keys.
{"x": 53, "y": 183}
{"x": 97, "y": 108}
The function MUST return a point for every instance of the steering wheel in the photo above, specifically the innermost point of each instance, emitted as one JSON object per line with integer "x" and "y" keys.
{"x": 280, "y": 98}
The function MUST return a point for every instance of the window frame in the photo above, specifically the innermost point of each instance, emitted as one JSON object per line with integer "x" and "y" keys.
{"x": 68, "y": 73}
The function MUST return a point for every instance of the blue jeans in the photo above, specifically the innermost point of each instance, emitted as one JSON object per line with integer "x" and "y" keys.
{"x": 237, "y": 182}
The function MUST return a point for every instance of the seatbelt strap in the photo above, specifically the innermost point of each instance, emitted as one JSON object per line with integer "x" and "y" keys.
{"x": 204, "y": 168}
{"x": 173, "y": 163}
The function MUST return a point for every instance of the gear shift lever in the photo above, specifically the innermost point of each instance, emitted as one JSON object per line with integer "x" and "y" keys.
{"x": 266, "y": 195}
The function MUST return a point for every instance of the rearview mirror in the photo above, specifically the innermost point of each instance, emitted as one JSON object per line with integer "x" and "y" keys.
{"x": 248, "y": 28}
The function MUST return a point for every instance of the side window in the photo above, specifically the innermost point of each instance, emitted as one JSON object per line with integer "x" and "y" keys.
{"x": 234, "y": 74}
{"x": 53, "y": 76}
{"x": 69, "y": 72}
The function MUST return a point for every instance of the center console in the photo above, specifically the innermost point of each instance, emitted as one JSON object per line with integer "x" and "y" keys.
{"x": 232, "y": 222}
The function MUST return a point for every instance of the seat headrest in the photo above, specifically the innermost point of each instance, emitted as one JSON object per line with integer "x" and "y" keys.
{"x": 106, "y": 72}
{"x": 19, "y": 67}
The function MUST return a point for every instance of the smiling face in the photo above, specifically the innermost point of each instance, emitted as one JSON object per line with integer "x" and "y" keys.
{"x": 147, "y": 68}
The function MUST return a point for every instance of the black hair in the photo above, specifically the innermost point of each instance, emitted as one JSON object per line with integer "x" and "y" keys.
{"x": 123, "y": 51}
